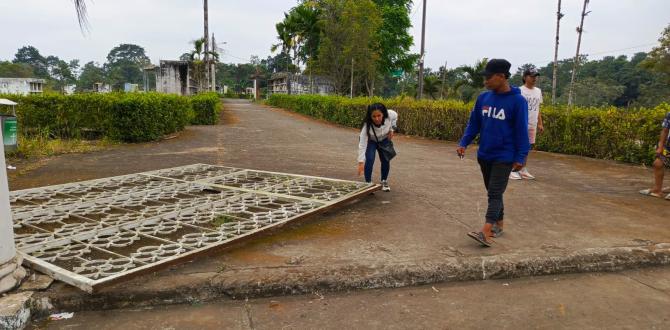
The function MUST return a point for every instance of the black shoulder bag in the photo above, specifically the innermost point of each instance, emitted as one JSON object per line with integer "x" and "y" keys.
{"x": 386, "y": 149}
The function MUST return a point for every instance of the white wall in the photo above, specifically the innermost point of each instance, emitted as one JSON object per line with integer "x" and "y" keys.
{"x": 19, "y": 86}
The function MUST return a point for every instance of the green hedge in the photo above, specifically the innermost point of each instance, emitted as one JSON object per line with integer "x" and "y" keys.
{"x": 207, "y": 107}
{"x": 628, "y": 135}
{"x": 129, "y": 117}
{"x": 146, "y": 117}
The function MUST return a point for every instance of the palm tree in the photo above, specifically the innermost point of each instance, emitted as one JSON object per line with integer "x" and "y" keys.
{"x": 80, "y": 7}
{"x": 299, "y": 33}
{"x": 472, "y": 76}
{"x": 285, "y": 34}
{"x": 197, "y": 59}
{"x": 431, "y": 85}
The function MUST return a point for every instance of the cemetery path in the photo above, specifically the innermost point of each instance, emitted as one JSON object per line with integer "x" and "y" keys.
{"x": 576, "y": 204}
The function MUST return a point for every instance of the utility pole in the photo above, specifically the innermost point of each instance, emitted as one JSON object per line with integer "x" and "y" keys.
{"x": 10, "y": 262}
{"x": 554, "y": 82}
{"x": 423, "y": 51}
{"x": 206, "y": 46}
{"x": 580, "y": 30}
{"x": 444, "y": 80}
{"x": 213, "y": 65}
{"x": 351, "y": 95}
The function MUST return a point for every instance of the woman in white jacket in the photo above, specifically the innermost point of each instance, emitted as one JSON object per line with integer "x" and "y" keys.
{"x": 378, "y": 128}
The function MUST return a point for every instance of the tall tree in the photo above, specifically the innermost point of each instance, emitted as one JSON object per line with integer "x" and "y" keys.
{"x": 124, "y": 65}
{"x": 91, "y": 74}
{"x": 31, "y": 56}
{"x": 580, "y": 31}
{"x": 659, "y": 57}
{"x": 394, "y": 38}
{"x": 431, "y": 85}
{"x": 300, "y": 32}
{"x": 349, "y": 43}
{"x": 199, "y": 59}
{"x": 62, "y": 73}
{"x": 15, "y": 70}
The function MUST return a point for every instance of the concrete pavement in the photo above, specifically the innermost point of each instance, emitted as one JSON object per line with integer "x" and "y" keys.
{"x": 577, "y": 211}
{"x": 637, "y": 299}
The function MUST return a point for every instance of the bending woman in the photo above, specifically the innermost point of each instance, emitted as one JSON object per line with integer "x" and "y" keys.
{"x": 378, "y": 128}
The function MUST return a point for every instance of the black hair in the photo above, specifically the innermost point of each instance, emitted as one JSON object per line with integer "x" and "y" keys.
{"x": 372, "y": 108}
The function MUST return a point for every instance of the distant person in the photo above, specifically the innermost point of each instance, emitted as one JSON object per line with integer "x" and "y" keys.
{"x": 533, "y": 96}
{"x": 500, "y": 117}
{"x": 662, "y": 161}
{"x": 378, "y": 129}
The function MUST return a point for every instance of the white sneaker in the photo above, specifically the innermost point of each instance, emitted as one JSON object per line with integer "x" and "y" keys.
{"x": 515, "y": 176}
{"x": 385, "y": 186}
{"x": 526, "y": 175}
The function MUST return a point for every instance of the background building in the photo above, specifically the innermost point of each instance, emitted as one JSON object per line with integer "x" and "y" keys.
{"x": 21, "y": 86}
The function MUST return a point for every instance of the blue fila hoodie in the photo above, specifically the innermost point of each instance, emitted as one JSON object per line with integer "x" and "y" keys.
{"x": 501, "y": 120}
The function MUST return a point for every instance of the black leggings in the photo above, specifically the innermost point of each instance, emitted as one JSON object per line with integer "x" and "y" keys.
{"x": 496, "y": 176}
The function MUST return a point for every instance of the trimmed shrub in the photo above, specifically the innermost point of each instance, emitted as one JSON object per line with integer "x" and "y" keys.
{"x": 628, "y": 135}
{"x": 131, "y": 117}
{"x": 147, "y": 117}
{"x": 207, "y": 107}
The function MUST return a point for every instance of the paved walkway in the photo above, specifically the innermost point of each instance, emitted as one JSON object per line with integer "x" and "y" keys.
{"x": 629, "y": 300}
{"x": 574, "y": 204}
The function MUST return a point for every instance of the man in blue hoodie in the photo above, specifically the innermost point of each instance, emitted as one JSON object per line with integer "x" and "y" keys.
{"x": 500, "y": 117}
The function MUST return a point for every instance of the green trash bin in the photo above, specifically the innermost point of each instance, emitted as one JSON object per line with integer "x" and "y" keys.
{"x": 9, "y": 132}
{"x": 8, "y": 125}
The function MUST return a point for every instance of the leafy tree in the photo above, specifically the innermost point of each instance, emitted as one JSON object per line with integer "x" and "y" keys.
{"x": 277, "y": 63}
{"x": 62, "y": 73}
{"x": 124, "y": 64}
{"x": 127, "y": 53}
{"x": 91, "y": 74}
{"x": 659, "y": 58}
{"x": 349, "y": 37}
{"x": 304, "y": 27}
{"x": 431, "y": 86}
{"x": 15, "y": 70}
{"x": 593, "y": 92}
{"x": 394, "y": 38}
{"x": 300, "y": 32}
{"x": 197, "y": 59}
{"x": 470, "y": 75}
{"x": 31, "y": 56}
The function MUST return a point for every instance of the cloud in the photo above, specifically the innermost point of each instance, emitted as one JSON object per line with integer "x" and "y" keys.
{"x": 459, "y": 32}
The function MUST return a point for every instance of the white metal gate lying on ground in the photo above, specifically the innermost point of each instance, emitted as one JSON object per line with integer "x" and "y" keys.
{"x": 95, "y": 233}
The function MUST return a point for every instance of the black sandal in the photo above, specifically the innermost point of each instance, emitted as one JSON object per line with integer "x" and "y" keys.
{"x": 479, "y": 237}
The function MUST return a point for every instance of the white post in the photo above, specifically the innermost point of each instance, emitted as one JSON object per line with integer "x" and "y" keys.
{"x": 11, "y": 272}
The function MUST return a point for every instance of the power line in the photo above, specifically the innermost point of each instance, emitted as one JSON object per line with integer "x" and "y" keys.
{"x": 603, "y": 52}
{"x": 237, "y": 57}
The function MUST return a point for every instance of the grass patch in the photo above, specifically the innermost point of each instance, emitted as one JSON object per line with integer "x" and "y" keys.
{"x": 40, "y": 146}
{"x": 223, "y": 219}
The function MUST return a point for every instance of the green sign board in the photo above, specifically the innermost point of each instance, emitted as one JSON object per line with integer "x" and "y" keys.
{"x": 9, "y": 132}
{"x": 397, "y": 73}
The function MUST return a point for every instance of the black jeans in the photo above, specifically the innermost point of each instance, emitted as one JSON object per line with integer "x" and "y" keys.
{"x": 496, "y": 176}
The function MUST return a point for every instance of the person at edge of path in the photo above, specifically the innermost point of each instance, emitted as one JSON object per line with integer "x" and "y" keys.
{"x": 500, "y": 117}
{"x": 533, "y": 96}
{"x": 662, "y": 160}
{"x": 379, "y": 126}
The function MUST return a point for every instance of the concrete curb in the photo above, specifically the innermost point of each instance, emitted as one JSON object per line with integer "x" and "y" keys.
{"x": 253, "y": 283}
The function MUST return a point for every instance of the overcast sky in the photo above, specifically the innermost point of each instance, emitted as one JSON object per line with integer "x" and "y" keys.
{"x": 459, "y": 32}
